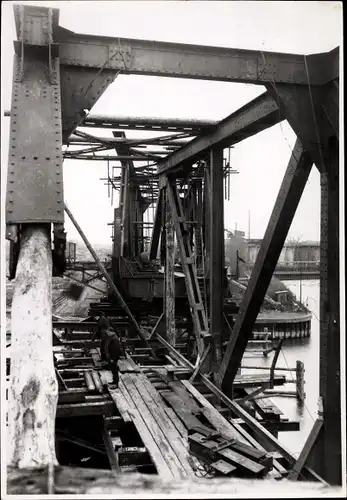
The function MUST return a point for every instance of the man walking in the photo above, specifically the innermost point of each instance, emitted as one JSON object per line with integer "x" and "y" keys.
{"x": 114, "y": 351}
{"x": 102, "y": 325}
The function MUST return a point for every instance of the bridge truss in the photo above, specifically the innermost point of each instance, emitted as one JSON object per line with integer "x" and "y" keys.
{"x": 58, "y": 75}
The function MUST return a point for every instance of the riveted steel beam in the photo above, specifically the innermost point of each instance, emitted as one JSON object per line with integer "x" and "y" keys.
{"x": 288, "y": 198}
{"x": 148, "y": 123}
{"x": 35, "y": 180}
{"x": 80, "y": 89}
{"x": 216, "y": 254}
{"x": 145, "y": 57}
{"x": 252, "y": 118}
{"x": 326, "y": 457}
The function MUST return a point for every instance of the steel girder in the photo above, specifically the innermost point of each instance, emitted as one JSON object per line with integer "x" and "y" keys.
{"x": 288, "y": 198}
{"x": 326, "y": 456}
{"x": 312, "y": 112}
{"x": 35, "y": 180}
{"x": 145, "y": 57}
{"x": 259, "y": 114}
{"x": 80, "y": 89}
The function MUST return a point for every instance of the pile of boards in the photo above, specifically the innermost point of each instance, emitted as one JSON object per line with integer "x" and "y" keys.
{"x": 228, "y": 457}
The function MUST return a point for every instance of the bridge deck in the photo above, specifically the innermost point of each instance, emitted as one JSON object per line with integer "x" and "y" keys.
{"x": 181, "y": 425}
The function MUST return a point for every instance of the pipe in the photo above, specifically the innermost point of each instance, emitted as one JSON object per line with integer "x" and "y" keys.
{"x": 153, "y": 122}
{"x": 89, "y": 381}
{"x": 97, "y": 381}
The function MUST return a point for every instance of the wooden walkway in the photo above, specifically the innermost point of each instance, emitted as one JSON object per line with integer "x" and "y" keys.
{"x": 184, "y": 428}
{"x": 160, "y": 429}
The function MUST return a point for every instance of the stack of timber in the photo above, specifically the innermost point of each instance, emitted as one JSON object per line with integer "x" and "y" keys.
{"x": 181, "y": 428}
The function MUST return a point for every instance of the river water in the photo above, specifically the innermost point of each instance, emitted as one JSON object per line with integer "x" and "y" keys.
{"x": 306, "y": 350}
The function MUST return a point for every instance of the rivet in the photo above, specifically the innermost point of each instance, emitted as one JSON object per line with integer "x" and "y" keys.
{"x": 23, "y": 157}
{"x": 34, "y": 157}
{"x": 48, "y": 158}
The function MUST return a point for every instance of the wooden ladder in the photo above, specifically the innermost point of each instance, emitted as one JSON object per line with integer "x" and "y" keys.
{"x": 194, "y": 295}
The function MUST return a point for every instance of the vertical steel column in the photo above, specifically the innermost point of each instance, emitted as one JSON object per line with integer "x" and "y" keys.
{"x": 123, "y": 203}
{"x": 217, "y": 254}
{"x": 206, "y": 221}
{"x": 156, "y": 227}
{"x": 199, "y": 227}
{"x": 170, "y": 278}
{"x": 326, "y": 454}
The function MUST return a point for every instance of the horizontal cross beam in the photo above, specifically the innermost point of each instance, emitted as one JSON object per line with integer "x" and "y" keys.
{"x": 147, "y": 123}
{"x": 144, "y": 57}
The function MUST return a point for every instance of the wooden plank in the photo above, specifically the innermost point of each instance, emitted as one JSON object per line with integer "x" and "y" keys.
{"x": 181, "y": 410}
{"x": 111, "y": 453}
{"x": 276, "y": 445}
{"x": 266, "y": 409}
{"x": 242, "y": 462}
{"x": 169, "y": 411}
{"x": 246, "y": 381}
{"x": 178, "y": 387}
{"x": 165, "y": 424}
{"x": 212, "y": 415}
{"x": 83, "y": 360}
{"x": 80, "y": 481}
{"x": 147, "y": 437}
{"x": 121, "y": 404}
{"x": 231, "y": 456}
{"x": 125, "y": 366}
{"x": 158, "y": 435}
{"x": 134, "y": 455}
{"x": 114, "y": 422}
{"x": 223, "y": 467}
{"x": 299, "y": 464}
{"x": 85, "y": 409}
{"x": 96, "y": 358}
{"x": 170, "y": 360}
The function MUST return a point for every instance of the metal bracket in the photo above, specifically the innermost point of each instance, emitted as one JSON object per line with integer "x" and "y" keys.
{"x": 119, "y": 55}
{"x": 225, "y": 444}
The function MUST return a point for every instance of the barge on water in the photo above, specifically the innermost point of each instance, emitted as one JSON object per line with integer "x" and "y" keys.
{"x": 274, "y": 325}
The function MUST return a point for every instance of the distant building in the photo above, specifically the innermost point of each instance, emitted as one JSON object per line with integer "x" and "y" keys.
{"x": 298, "y": 251}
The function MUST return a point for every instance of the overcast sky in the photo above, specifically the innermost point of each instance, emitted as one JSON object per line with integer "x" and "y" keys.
{"x": 296, "y": 27}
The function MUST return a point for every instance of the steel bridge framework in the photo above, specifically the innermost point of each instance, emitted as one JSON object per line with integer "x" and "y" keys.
{"x": 59, "y": 74}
